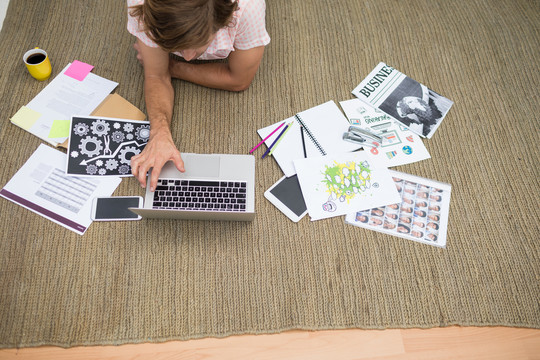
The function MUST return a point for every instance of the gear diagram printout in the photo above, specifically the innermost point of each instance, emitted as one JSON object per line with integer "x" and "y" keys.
{"x": 104, "y": 146}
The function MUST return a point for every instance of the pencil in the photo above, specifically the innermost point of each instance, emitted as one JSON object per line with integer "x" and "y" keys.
{"x": 281, "y": 138}
{"x": 266, "y": 138}
{"x": 276, "y": 140}
{"x": 303, "y": 141}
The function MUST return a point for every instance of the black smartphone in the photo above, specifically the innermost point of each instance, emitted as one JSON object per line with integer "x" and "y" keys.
{"x": 116, "y": 208}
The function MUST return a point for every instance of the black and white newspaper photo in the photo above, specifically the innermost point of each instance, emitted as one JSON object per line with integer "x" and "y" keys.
{"x": 406, "y": 100}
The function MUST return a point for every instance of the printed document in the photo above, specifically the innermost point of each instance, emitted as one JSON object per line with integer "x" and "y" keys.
{"x": 42, "y": 186}
{"x": 62, "y": 98}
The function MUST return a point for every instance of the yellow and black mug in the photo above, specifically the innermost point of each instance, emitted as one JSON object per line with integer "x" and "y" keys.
{"x": 38, "y": 64}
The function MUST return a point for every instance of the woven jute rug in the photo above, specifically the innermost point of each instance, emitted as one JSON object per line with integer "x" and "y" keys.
{"x": 157, "y": 280}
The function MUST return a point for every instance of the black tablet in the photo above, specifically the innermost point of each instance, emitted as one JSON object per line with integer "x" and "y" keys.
{"x": 286, "y": 195}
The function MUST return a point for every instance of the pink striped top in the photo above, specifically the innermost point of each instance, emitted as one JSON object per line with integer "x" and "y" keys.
{"x": 247, "y": 30}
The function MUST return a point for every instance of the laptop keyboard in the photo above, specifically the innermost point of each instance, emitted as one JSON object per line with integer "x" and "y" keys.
{"x": 200, "y": 195}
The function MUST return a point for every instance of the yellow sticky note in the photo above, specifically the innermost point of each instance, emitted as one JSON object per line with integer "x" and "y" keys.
{"x": 59, "y": 129}
{"x": 25, "y": 118}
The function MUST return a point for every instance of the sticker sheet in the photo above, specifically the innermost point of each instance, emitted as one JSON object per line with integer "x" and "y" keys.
{"x": 334, "y": 185}
{"x": 104, "y": 146}
{"x": 421, "y": 215}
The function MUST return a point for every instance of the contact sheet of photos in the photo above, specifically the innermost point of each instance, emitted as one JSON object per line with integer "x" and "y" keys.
{"x": 421, "y": 216}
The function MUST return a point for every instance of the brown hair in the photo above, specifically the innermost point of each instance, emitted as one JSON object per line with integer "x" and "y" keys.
{"x": 183, "y": 24}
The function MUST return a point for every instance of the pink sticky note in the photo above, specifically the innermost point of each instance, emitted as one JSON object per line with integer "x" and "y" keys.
{"x": 78, "y": 70}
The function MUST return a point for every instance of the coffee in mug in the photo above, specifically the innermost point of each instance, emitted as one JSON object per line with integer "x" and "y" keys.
{"x": 38, "y": 64}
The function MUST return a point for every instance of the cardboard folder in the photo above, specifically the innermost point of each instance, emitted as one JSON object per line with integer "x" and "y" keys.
{"x": 114, "y": 106}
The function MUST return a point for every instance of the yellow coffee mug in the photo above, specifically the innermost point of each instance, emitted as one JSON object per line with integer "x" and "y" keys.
{"x": 38, "y": 64}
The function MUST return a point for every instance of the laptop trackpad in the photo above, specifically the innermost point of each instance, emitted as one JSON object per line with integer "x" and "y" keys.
{"x": 201, "y": 166}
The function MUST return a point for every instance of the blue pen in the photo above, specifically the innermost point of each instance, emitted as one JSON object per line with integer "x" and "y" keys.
{"x": 275, "y": 141}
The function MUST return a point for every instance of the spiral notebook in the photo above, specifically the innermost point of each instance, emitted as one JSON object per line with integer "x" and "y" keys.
{"x": 314, "y": 132}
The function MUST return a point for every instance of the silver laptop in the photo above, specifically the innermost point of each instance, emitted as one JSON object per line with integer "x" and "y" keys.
{"x": 213, "y": 187}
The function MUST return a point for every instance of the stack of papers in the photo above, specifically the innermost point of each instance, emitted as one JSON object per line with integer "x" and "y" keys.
{"x": 75, "y": 91}
{"x": 342, "y": 178}
{"x": 43, "y": 184}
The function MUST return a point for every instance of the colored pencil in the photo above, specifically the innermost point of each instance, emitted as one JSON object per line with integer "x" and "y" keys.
{"x": 266, "y": 138}
{"x": 281, "y": 138}
{"x": 276, "y": 140}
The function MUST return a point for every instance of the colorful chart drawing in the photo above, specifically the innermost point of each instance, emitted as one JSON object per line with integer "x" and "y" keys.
{"x": 390, "y": 138}
{"x": 403, "y": 128}
{"x": 391, "y": 154}
{"x": 407, "y": 150}
{"x": 344, "y": 181}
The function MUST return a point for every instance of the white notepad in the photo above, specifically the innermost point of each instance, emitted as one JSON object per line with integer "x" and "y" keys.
{"x": 323, "y": 125}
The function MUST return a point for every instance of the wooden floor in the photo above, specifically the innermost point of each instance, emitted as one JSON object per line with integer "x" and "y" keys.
{"x": 433, "y": 344}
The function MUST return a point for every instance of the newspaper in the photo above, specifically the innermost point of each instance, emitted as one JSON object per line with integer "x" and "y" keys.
{"x": 412, "y": 104}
